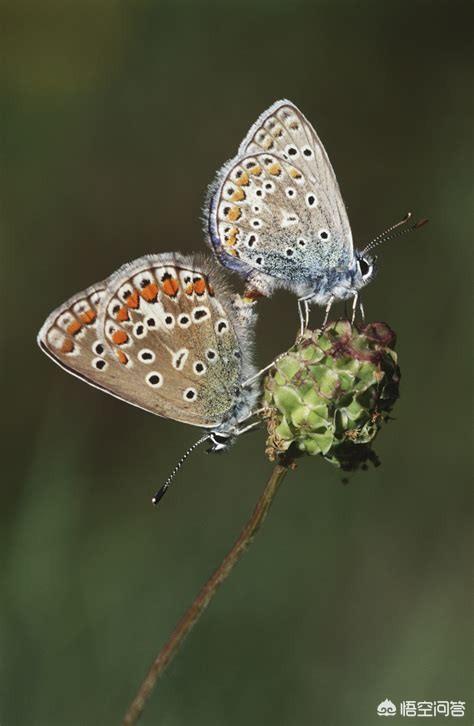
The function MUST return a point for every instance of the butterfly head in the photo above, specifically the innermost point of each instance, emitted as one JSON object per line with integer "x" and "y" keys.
{"x": 365, "y": 270}
{"x": 220, "y": 441}
{"x": 223, "y": 436}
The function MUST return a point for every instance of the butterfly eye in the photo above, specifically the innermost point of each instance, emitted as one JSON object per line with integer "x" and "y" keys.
{"x": 365, "y": 268}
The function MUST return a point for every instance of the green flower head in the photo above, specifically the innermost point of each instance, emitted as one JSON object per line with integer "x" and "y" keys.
{"x": 331, "y": 393}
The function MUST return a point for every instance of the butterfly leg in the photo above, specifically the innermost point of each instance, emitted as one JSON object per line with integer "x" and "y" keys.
{"x": 260, "y": 373}
{"x": 354, "y": 307}
{"x": 257, "y": 412}
{"x": 362, "y": 311}
{"x": 248, "y": 428}
{"x": 328, "y": 310}
{"x": 303, "y": 311}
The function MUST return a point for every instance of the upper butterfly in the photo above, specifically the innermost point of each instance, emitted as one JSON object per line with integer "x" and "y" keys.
{"x": 163, "y": 333}
{"x": 277, "y": 217}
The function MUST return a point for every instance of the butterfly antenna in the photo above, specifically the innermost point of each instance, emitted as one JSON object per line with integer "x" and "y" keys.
{"x": 386, "y": 236}
{"x": 163, "y": 489}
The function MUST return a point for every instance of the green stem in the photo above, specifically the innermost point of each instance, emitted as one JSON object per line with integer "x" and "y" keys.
{"x": 205, "y": 596}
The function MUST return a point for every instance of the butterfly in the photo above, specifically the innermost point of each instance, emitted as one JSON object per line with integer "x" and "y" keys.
{"x": 164, "y": 334}
{"x": 275, "y": 215}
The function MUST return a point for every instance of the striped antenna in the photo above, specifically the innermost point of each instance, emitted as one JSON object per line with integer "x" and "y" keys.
{"x": 390, "y": 229}
{"x": 163, "y": 489}
{"x": 386, "y": 236}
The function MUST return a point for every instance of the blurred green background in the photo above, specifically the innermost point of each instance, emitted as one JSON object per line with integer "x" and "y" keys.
{"x": 115, "y": 117}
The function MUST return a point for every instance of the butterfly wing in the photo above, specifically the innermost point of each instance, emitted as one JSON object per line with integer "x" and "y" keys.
{"x": 277, "y": 208}
{"x": 158, "y": 335}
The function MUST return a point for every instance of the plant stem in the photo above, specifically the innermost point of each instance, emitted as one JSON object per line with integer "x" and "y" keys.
{"x": 205, "y": 595}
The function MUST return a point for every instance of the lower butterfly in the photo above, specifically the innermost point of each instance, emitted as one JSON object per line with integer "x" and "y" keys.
{"x": 164, "y": 334}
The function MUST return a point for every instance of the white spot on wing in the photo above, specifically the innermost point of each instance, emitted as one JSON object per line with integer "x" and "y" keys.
{"x": 199, "y": 368}
{"x": 184, "y": 320}
{"x": 146, "y": 356}
{"x": 221, "y": 326}
{"x": 189, "y": 394}
{"x": 179, "y": 358}
{"x": 154, "y": 379}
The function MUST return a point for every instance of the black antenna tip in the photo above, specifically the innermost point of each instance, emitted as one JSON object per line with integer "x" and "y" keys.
{"x": 421, "y": 223}
{"x": 159, "y": 495}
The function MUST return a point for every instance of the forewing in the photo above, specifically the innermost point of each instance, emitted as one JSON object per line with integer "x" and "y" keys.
{"x": 168, "y": 342}
{"x": 284, "y": 130}
{"x": 277, "y": 206}
{"x": 268, "y": 213}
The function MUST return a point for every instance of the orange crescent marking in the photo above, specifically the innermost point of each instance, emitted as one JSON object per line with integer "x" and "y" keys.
{"x": 150, "y": 292}
{"x": 243, "y": 180}
{"x": 120, "y": 337}
{"x": 122, "y": 315}
{"x": 275, "y": 169}
{"x": 122, "y": 357}
{"x": 238, "y": 195}
{"x": 133, "y": 300}
{"x": 171, "y": 287}
{"x": 234, "y": 214}
{"x": 200, "y": 287}
{"x": 67, "y": 346}
{"x": 74, "y": 327}
{"x": 87, "y": 317}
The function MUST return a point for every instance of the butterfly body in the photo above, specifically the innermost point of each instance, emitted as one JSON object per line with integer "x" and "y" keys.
{"x": 164, "y": 334}
{"x": 276, "y": 215}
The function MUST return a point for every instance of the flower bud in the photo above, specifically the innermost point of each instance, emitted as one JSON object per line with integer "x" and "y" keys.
{"x": 331, "y": 393}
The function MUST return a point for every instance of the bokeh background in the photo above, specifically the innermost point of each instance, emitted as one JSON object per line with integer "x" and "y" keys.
{"x": 115, "y": 117}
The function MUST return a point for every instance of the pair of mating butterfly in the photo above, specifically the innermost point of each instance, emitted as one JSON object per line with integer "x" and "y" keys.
{"x": 165, "y": 333}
